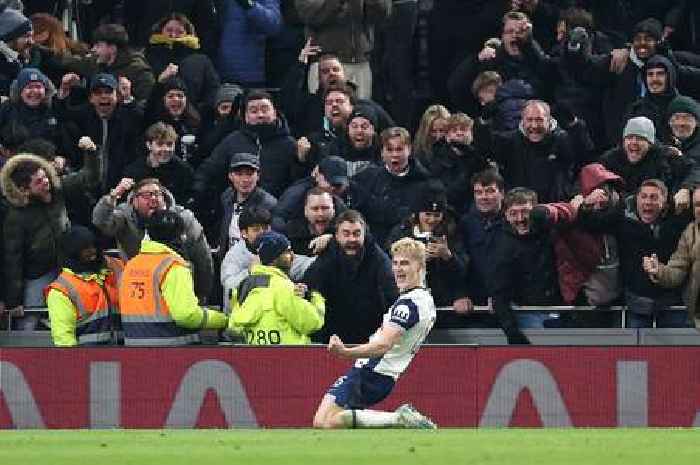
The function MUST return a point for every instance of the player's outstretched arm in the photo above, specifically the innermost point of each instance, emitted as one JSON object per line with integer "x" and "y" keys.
{"x": 381, "y": 343}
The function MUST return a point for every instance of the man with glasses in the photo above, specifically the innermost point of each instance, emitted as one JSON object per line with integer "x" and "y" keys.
{"x": 125, "y": 222}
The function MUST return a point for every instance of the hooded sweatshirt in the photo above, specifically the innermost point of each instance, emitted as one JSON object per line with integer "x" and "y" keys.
{"x": 654, "y": 106}
{"x": 585, "y": 260}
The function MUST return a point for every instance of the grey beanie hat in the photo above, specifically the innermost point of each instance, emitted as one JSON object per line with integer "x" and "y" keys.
{"x": 227, "y": 93}
{"x": 13, "y": 23}
{"x": 640, "y": 126}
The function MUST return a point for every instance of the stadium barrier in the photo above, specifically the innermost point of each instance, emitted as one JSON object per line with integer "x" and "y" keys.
{"x": 281, "y": 387}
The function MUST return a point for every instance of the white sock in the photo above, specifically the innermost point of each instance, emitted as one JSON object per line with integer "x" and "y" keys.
{"x": 370, "y": 419}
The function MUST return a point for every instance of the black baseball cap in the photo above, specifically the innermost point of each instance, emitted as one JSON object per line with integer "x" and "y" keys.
{"x": 334, "y": 169}
{"x": 103, "y": 80}
{"x": 244, "y": 159}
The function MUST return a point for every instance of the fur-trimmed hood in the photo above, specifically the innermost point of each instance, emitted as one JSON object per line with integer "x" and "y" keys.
{"x": 14, "y": 195}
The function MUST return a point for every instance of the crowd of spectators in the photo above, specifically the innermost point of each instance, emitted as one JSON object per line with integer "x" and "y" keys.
{"x": 554, "y": 161}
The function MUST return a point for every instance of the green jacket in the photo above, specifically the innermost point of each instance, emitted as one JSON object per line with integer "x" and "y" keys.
{"x": 32, "y": 229}
{"x": 270, "y": 312}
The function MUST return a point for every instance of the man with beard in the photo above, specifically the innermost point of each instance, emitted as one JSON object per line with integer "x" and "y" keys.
{"x": 157, "y": 301}
{"x": 319, "y": 212}
{"x": 268, "y": 308}
{"x": 338, "y": 103}
{"x": 126, "y": 221}
{"x": 266, "y": 134}
{"x": 354, "y": 275}
{"x": 353, "y": 135}
{"x": 160, "y": 163}
{"x": 252, "y": 222}
{"x": 83, "y": 301}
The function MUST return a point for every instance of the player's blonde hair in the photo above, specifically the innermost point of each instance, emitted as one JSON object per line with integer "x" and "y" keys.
{"x": 410, "y": 247}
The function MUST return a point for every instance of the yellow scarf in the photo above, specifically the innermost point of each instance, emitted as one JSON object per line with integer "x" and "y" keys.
{"x": 187, "y": 41}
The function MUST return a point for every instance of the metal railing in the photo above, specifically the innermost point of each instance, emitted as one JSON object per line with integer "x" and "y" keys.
{"x": 479, "y": 310}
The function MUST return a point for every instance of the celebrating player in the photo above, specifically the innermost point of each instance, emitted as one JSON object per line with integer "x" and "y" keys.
{"x": 387, "y": 354}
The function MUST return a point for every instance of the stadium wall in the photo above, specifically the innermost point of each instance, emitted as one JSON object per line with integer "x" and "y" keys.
{"x": 281, "y": 386}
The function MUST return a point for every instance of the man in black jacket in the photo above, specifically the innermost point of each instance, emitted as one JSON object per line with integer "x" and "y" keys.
{"x": 265, "y": 134}
{"x": 242, "y": 194}
{"x": 660, "y": 83}
{"x": 354, "y": 275}
{"x": 161, "y": 163}
{"x": 391, "y": 189}
{"x": 538, "y": 155}
{"x": 319, "y": 214}
{"x": 639, "y": 157}
{"x": 523, "y": 268}
{"x": 115, "y": 128}
{"x": 683, "y": 118}
{"x": 644, "y": 225}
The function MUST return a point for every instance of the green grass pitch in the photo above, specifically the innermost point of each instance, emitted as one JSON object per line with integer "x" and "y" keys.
{"x": 376, "y": 447}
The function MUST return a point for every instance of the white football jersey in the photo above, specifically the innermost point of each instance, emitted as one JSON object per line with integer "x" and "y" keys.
{"x": 415, "y": 312}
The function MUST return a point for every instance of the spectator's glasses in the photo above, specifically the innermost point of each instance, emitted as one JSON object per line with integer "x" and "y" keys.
{"x": 150, "y": 194}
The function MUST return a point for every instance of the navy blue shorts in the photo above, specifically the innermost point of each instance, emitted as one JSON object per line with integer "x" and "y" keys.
{"x": 361, "y": 388}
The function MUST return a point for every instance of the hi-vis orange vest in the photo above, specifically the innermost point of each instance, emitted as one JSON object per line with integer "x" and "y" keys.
{"x": 93, "y": 303}
{"x": 146, "y": 319}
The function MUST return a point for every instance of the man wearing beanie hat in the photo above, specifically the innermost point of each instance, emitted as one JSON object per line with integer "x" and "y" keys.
{"x": 30, "y": 105}
{"x": 268, "y": 308}
{"x": 83, "y": 301}
{"x": 227, "y": 99}
{"x": 226, "y": 117}
{"x": 16, "y": 43}
{"x": 683, "y": 119}
{"x": 639, "y": 157}
{"x": 156, "y": 294}
{"x": 362, "y": 148}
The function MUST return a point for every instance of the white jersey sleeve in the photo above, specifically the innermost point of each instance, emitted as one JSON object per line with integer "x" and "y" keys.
{"x": 415, "y": 313}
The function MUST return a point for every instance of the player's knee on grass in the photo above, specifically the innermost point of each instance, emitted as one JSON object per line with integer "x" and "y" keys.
{"x": 330, "y": 418}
